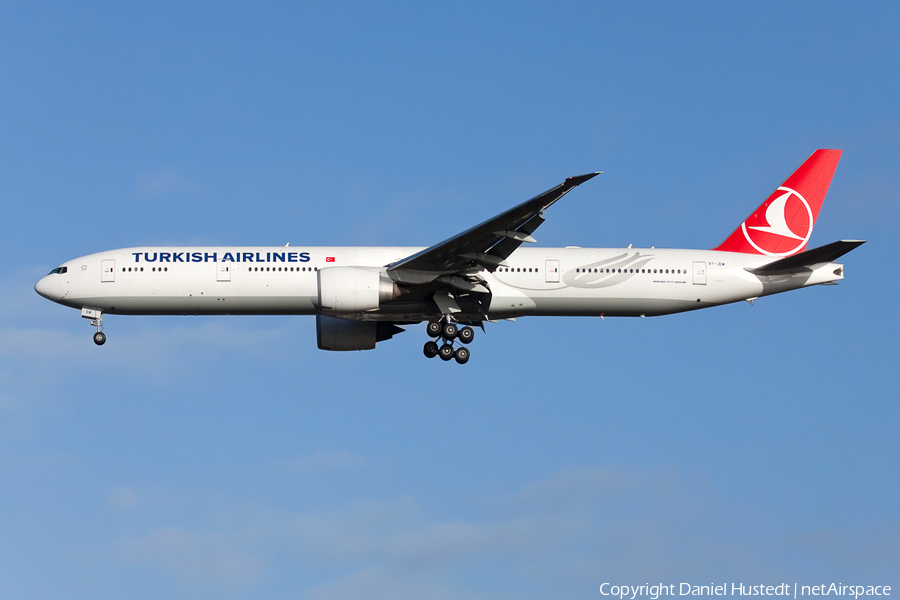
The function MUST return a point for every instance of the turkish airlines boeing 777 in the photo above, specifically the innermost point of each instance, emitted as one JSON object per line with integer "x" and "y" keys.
{"x": 360, "y": 295}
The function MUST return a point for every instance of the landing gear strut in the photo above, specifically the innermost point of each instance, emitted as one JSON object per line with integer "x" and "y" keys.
{"x": 447, "y": 331}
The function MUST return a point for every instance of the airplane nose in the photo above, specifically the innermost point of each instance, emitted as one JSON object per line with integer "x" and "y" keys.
{"x": 44, "y": 287}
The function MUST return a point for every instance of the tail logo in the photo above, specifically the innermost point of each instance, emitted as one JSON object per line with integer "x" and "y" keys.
{"x": 784, "y": 228}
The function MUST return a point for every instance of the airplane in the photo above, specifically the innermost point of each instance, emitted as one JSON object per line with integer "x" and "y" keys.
{"x": 363, "y": 295}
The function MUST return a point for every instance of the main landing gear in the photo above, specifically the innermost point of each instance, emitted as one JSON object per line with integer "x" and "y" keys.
{"x": 448, "y": 332}
{"x": 96, "y": 318}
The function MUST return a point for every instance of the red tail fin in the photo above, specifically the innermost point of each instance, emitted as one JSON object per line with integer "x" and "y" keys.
{"x": 782, "y": 225}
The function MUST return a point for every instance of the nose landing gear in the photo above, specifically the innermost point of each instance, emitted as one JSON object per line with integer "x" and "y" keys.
{"x": 96, "y": 318}
{"x": 448, "y": 332}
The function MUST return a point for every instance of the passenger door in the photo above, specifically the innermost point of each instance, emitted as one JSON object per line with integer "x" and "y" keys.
{"x": 699, "y": 273}
{"x": 551, "y": 269}
{"x": 223, "y": 271}
{"x": 107, "y": 270}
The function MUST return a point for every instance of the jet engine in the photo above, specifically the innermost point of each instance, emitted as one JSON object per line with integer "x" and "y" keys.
{"x": 333, "y": 333}
{"x": 344, "y": 290}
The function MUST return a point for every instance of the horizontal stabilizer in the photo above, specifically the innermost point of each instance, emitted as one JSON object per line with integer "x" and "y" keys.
{"x": 824, "y": 254}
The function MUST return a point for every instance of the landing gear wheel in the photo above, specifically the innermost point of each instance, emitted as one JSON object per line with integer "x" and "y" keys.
{"x": 466, "y": 335}
{"x": 446, "y": 352}
{"x": 450, "y": 331}
{"x": 434, "y": 329}
{"x": 462, "y": 355}
{"x": 431, "y": 349}
{"x": 99, "y": 338}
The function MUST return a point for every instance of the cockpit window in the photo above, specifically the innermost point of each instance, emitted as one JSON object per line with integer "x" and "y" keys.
{"x": 59, "y": 270}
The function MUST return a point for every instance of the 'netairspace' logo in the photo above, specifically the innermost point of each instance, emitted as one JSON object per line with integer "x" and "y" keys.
{"x": 631, "y": 592}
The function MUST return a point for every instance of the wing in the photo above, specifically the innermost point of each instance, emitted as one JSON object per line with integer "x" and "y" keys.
{"x": 484, "y": 246}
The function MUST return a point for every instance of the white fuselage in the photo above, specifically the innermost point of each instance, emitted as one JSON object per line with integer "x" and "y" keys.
{"x": 537, "y": 281}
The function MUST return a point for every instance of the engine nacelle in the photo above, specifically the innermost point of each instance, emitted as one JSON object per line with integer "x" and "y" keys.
{"x": 345, "y": 290}
{"x": 333, "y": 333}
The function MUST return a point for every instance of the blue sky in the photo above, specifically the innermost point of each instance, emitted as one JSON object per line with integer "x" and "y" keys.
{"x": 228, "y": 458}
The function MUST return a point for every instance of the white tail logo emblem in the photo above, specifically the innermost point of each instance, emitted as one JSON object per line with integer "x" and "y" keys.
{"x": 776, "y": 218}
{"x": 776, "y": 223}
